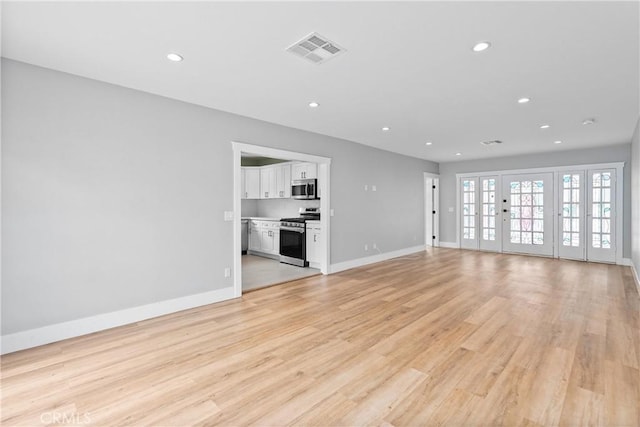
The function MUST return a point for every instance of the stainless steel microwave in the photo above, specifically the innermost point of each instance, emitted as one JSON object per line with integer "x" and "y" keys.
{"x": 304, "y": 189}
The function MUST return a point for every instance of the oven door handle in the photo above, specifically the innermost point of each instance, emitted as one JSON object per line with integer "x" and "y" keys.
{"x": 295, "y": 230}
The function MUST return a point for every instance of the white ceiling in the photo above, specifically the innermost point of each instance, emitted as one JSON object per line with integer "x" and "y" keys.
{"x": 409, "y": 65}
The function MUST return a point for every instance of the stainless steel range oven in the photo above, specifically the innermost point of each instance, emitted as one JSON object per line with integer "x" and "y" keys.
{"x": 293, "y": 244}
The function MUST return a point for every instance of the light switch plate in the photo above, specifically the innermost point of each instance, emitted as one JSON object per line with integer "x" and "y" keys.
{"x": 228, "y": 215}
{"x": 451, "y": 209}
{"x": 331, "y": 212}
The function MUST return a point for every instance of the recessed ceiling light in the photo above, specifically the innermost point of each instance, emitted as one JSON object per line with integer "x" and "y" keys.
{"x": 557, "y": 142}
{"x": 458, "y": 154}
{"x": 386, "y": 128}
{"x": 314, "y": 104}
{"x": 545, "y": 126}
{"x": 588, "y": 121}
{"x": 428, "y": 143}
{"x": 523, "y": 100}
{"x": 174, "y": 57}
{"x": 479, "y": 47}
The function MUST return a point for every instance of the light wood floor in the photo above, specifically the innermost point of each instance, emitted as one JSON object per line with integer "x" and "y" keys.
{"x": 259, "y": 272}
{"x": 446, "y": 337}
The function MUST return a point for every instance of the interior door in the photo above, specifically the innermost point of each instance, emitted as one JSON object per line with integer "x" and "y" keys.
{"x": 469, "y": 213}
{"x": 527, "y": 223}
{"x": 490, "y": 228}
{"x": 572, "y": 214}
{"x": 601, "y": 226}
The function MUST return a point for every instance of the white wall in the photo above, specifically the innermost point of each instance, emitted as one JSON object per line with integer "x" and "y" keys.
{"x": 448, "y": 171}
{"x": 635, "y": 197}
{"x": 114, "y": 198}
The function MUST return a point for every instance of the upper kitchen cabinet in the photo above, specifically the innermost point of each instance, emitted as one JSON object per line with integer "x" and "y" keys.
{"x": 266, "y": 182}
{"x": 250, "y": 183}
{"x": 268, "y": 187}
{"x": 283, "y": 181}
{"x": 304, "y": 171}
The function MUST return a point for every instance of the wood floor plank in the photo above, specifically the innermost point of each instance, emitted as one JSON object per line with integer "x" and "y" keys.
{"x": 443, "y": 337}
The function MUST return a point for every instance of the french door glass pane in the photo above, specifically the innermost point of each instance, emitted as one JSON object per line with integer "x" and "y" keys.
{"x": 601, "y": 210}
{"x": 527, "y": 210}
{"x": 468, "y": 209}
{"x": 489, "y": 209}
{"x": 571, "y": 210}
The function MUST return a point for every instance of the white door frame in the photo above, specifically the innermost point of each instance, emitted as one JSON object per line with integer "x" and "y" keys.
{"x": 431, "y": 204}
{"x": 324, "y": 167}
{"x": 619, "y": 196}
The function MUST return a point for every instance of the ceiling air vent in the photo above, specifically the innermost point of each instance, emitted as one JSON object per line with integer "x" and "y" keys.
{"x": 316, "y": 48}
{"x": 494, "y": 142}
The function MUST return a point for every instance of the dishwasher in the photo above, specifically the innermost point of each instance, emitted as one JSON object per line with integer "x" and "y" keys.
{"x": 245, "y": 236}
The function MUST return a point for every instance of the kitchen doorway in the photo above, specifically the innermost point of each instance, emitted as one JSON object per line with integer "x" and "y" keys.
{"x": 275, "y": 189}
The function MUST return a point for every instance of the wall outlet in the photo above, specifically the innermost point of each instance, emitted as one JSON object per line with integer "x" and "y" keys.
{"x": 374, "y": 188}
{"x": 366, "y": 247}
{"x": 331, "y": 212}
{"x": 228, "y": 215}
{"x": 375, "y": 246}
{"x": 366, "y": 187}
{"x": 227, "y": 272}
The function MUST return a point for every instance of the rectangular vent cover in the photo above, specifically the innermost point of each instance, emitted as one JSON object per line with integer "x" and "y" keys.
{"x": 316, "y": 48}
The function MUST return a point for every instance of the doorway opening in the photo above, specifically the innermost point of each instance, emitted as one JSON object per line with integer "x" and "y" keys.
{"x": 281, "y": 203}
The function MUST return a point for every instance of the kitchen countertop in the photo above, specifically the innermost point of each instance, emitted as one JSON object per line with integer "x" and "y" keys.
{"x": 261, "y": 218}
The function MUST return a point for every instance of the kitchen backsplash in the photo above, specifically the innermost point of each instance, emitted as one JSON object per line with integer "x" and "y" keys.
{"x": 276, "y": 208}
{"x": 249, "y": 207}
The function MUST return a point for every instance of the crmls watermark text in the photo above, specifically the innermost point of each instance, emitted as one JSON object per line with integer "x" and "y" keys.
{"x": 73, "y": 418}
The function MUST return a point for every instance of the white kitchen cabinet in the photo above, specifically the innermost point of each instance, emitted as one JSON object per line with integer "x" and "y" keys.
{"x": 264, "y": 238}
{"x": 283, "y": 181}
{"x": 314, "y": 250}
{"x": 251, "y": 183}
{"x": 268, "y": 188}
{"x": 304, "y": 171}
{"x": 254, "y": 238}
{"x": 266, "y": 182}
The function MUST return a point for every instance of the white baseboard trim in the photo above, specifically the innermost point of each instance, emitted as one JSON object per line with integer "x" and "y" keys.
{"x": 451, "y": 245}
{"x": 359, "y": 262}
{"x": 626, "y": 261}
{"x": 74, "y": 328}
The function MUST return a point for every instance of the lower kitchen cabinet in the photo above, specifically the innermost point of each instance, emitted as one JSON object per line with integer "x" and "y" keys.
{"x": 314, "y": 250}
{"x": 264, "y": 238}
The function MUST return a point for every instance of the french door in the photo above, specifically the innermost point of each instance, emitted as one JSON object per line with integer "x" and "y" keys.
{"x": 481, "y": 228}
{"x": 587, "y": 215}
{"x": 527, "y": 221}
{"x": 575, "y": 218}
{"x": 601, "y": 244}
{"x": 571, "y": 223}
